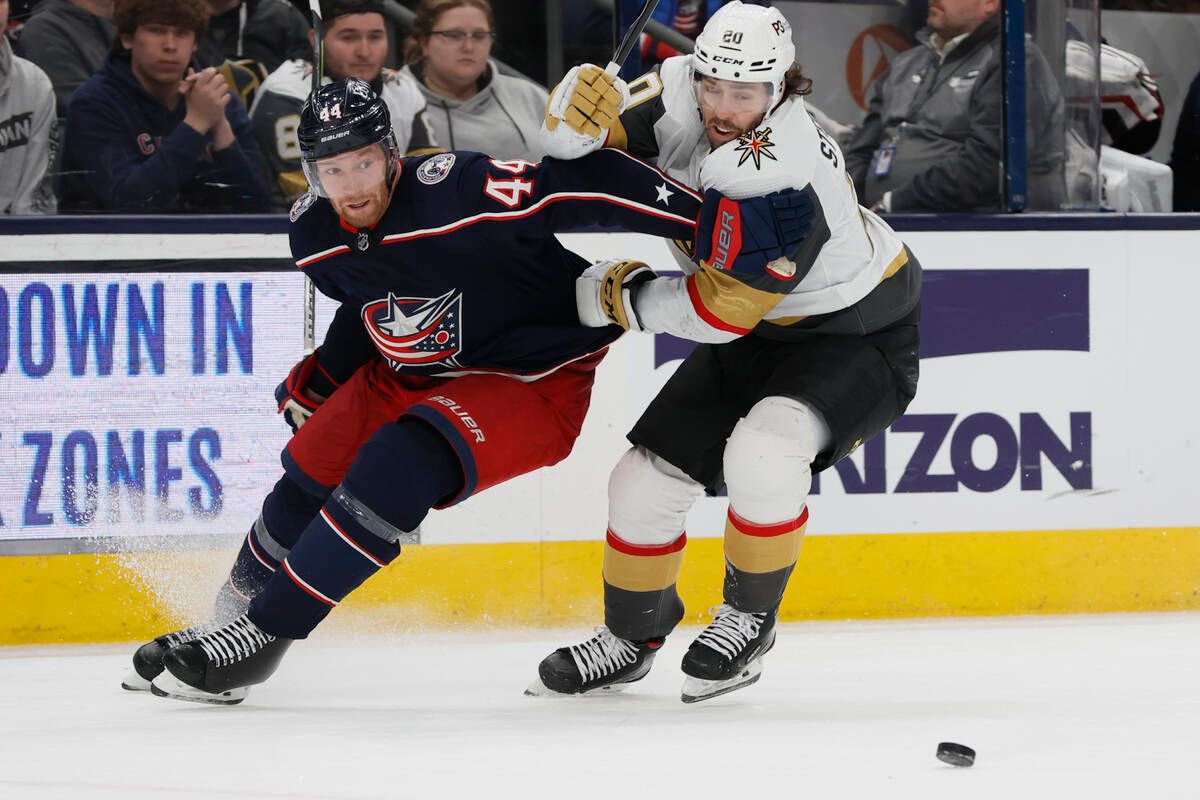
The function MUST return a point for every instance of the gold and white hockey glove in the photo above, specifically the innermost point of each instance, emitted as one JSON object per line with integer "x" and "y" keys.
{"x": 584, "y": 106}
{"x": 605, "y": 292}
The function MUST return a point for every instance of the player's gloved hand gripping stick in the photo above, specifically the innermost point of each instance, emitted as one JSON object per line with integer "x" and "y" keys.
{"x": 589, "y": 99}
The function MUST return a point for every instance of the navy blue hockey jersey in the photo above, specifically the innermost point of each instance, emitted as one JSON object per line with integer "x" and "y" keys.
{"x": 464, "y": 274}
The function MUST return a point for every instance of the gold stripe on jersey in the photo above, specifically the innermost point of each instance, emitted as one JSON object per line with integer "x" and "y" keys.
{"x": 617, "y": 137}
{"x": 292, "y": 184}
{"x": 726, "y": 303}
{"x": 897, "y": 263}
{"x": 763, "y": 548}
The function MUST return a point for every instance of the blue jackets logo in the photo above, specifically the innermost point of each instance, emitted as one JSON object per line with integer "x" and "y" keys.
{"x": 416, "y": 331}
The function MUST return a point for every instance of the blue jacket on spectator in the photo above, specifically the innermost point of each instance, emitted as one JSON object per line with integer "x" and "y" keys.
{"x": 124, "y": 150}
{"x": 1185, "y": 152}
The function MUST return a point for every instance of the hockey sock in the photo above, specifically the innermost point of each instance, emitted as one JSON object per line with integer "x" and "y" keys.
{"x": 403, "y": 471}
{"x": 641, "y": 601}
{"x": 759, "y": 559}
{"x": 286, "y": 512}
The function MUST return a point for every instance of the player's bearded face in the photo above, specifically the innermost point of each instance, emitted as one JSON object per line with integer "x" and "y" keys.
{"x": 730, "y": 108}
{"x": 356, "y": 183}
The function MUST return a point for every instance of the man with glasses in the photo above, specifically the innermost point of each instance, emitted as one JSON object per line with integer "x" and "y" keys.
{"x": 805, "y": 353}
{"x": 471, "y": 105}
{"x": 356, "y": 45}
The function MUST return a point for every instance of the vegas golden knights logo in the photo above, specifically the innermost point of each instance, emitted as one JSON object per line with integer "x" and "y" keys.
{"x": 755, "y": 145}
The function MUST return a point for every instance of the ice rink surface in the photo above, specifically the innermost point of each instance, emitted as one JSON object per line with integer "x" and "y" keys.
{"x": 1057, "y": 707}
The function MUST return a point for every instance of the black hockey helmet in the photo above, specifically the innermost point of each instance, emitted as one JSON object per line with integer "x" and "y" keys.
{"x": 342, "y": 116}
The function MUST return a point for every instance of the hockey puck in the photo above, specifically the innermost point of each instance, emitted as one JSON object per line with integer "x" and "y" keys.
{"x": 957, "y": 755}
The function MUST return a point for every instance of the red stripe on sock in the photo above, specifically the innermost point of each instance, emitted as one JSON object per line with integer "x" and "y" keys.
{"x": 296, "y": 579}
{"x": 254, "y": 551}
{"x": 749, "y": 528}
{"x": 630, "y": 549}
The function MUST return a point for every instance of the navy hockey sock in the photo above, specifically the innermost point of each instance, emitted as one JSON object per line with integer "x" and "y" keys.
{"x": 403, "y": 471}
{"x": 286, "y": 512}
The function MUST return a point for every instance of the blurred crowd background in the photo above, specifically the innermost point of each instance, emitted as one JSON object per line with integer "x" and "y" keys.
{"x": 190, "y": 106}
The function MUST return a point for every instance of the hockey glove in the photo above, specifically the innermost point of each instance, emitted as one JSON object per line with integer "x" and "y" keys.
{"x": 605, "y": 292}
{"x": 298, "y": 395}
{"x": 757, "y": 235}
{"x": 588, "y": 100}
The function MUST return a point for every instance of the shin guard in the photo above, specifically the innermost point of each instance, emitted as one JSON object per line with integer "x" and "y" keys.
{"x": 759, "y": 559}
{"x": 286, "y": 512}
{"x": 403, "y": 471}
{"x": 641, "y": 601}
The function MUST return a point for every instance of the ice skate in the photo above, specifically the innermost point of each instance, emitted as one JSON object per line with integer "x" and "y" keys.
{"x": 219, "y": 666}
{"x": 147, "y": 659}
{"x": 604, "y": 663}
{"x": 727, "y": 655}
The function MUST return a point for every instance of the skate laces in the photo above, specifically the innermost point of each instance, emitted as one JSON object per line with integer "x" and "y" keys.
{"x": 191, "y": 634}
{"x": 233, "y": 642}
{"x": 731, "y": 630}
{"x": 603, "y": 654}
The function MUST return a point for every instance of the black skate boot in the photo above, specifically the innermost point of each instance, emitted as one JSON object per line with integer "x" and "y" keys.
{"x": 604, "y": 663}
{"x": 219, "y": 666}
{"x": 148, "y": 659}
{"x": 727, "y": 655}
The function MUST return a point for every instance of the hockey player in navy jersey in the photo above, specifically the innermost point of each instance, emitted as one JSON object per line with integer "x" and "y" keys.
{"x": 456, "y": 361}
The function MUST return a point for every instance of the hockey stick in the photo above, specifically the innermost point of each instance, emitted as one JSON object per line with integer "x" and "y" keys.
{"x": 631, "y": 37}
{"x": 318, "y": 69}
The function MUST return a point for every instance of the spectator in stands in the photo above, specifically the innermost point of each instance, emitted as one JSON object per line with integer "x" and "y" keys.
{"x": 471, "y": 105}
{"x": 28, "y": 129}
{"x": 69, "y": 40}
{"x": 267, "y": 32}
{"x": 931, "y": 140}
{"x": 685, "y": 16}
{"x": 151, "y": 133}
{"x": 1185, "y": 152}
{"x": 356, "y": 45}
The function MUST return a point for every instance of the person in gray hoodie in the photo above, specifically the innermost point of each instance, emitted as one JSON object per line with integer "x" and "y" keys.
{"x": 69, "y": 40}
{"x": 28, "y": 132}
{"x": 469, "y": 102}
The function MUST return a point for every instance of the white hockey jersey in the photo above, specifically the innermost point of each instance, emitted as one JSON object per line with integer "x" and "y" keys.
{"x": 854, "y": 278}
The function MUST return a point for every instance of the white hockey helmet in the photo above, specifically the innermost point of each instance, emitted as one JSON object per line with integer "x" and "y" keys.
{"x": 745, "y": 43}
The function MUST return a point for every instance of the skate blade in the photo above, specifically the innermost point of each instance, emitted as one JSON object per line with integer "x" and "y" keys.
{"x": 135, "y": 683}
{"x": 696, "y": 689}
{"x": 167, "y": 685}
{"x": 539, "y": 689}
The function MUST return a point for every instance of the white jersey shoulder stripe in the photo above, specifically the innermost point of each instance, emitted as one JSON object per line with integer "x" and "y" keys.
{"x": 324, "y": 254}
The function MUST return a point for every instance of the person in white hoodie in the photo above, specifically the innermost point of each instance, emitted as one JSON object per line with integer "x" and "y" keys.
{"x": 469, "y": 102}
{"x": 28, "y": 132}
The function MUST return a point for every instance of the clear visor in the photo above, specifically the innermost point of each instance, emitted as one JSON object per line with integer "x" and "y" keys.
{"x": 725, "y": 98}
{"x": 352, "y": 174}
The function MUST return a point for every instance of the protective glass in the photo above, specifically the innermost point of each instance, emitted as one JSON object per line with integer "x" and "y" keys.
{"x": 727, "y": 98}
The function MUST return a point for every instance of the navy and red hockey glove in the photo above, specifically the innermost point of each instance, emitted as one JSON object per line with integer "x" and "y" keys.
{"x": 758, "y": 235}
{"x": 295, "y": 403}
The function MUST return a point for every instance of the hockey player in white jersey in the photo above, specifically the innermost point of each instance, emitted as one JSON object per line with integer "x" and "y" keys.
{"x": 356, "y": 45}
{"x": 806, "y": 351}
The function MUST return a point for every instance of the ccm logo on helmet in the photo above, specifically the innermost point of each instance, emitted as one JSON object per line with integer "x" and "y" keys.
{"x": 727, "y": 60}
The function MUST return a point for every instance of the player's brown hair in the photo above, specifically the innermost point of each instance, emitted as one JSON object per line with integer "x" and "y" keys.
{"x": 189, "y": 14}
{"x": 795, "y": 82}
{"x": 426, "y": 18}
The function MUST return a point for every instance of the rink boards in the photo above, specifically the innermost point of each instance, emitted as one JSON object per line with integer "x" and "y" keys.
{"x": 1045, "y": 466}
